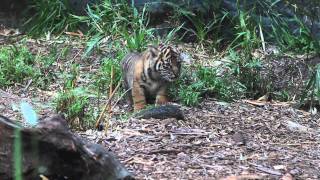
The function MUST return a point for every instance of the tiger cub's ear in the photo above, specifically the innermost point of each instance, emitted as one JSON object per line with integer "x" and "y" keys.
{"x": 154, "y": 52}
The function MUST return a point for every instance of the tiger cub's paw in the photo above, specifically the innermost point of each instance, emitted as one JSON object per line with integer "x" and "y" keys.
{"x": 138, "y": 107}
{"x": 161, "y": 100}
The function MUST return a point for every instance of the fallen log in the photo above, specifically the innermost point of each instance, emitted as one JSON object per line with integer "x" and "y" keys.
{"x": 51, "y": 151}
{"x": 161, "y": 112}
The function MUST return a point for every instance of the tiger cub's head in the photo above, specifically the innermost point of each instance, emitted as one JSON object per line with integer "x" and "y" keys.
{"x": 168, "y": 64}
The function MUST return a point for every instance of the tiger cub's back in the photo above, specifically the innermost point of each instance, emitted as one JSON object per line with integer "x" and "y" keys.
{"x": 128, "y": 66}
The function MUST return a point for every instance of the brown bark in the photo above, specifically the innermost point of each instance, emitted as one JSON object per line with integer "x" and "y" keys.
{"x": 53, "y": 151}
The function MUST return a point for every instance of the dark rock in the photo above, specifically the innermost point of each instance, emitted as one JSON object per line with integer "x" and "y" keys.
{"x": 161, "y": 112}
{"x": 239, "y": 138}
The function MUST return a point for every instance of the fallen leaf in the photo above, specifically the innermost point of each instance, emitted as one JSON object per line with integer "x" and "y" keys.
{"x": 79, "y": 33}
{"x": 278, "y": 167}
{"x": 255, "y": 103}
{"x": 138, "y": 160}
{"x": 263, "y": 98}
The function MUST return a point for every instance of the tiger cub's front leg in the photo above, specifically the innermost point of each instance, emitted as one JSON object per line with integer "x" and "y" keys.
{"x": 138, "y": 96}
{"x": 161, "y": 97}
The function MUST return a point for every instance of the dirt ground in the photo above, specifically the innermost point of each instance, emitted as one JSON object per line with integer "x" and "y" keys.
{"x": 240, "y": 140}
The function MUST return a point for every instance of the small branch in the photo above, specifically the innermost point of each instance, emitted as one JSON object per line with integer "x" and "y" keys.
{"x": 165, "y": 151}
{"x": 27, "y": 86}
{"x": 266, "y": 169}
{"x": 120, "y": 98}
{"x": 107, "y": 123}
{"x": 108, "y": 102}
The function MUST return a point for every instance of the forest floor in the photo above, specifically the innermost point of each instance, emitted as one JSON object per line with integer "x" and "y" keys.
{"x": 245, "y": 139}
{"x": 218, "y": 140}
{"x": 253, "y": 140}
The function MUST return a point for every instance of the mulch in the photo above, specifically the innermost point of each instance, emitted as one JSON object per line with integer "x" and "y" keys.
{"x": 219, "y": 140}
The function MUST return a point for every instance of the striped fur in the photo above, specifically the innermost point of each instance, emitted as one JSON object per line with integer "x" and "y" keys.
{"x": 147, "y": 75}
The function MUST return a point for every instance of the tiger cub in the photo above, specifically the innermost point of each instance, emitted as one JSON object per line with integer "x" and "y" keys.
{"x": 147, "y": 75}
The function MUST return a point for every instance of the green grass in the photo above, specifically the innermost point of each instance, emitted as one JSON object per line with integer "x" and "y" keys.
{"x": 118, "y": 20}
{"x": 73, "y": 103}
{"x": 102, "y": 79}
{"x": 16, "y": 65}
{"x": 312, "y": 90}
{"x": 19, "y": 65}
{"x": 206, "y": 29}
{"x": 53, "y": 16}
{"x": 140, "y": 36}
{"x": 17, "y": 154}
{"x": 198, "y": 82}
{"x": 73, "y": 100}
{"x": 245, "y": 70}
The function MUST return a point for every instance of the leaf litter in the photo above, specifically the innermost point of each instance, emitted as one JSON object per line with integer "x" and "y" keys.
{"x": 216, "y": 141}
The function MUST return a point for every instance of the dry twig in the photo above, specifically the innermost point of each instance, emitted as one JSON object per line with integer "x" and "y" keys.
{"x": 108, "y": 103}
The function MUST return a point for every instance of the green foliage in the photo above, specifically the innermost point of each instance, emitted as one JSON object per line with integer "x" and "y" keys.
{"x": 137, "y": 41}
{"x": 245, "y": 30}
{"x": 204, "y": 29}
{"x": 245, "y": 70}
{"x": 45, "y": 66}
{"x": 300, "y": 41}
{"x": 103, "y": 78}
{"x": 16, "y": 65}
{"x": 205, "y": 24}
{"x": 49, "y": 16}
{"x": 201, "y": 28}
{"x": 19, "y": 65}
{"x": 200, "y": 82}
{"x": 283, "y": 96}
{"x": 312, "y": 90}
{"x": 103, "y": 20}
{"x": 17, "y": 154}
{"x": 237, "y": 80}
{"x": 117, "y": 19}
{"x": 223, "y": 87}
{"x": 289, "y": 33}
{"x": 73, "y": 101}
{"x": 108, "y": 17}
{"x": 124, "y": 28}
{"x": 140, "y": 36}
{"x": 124, "y": 117}
{"x": 190, "y": 95}
{"x": 303, "y": 39}
{"x": 171, "y": 36}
